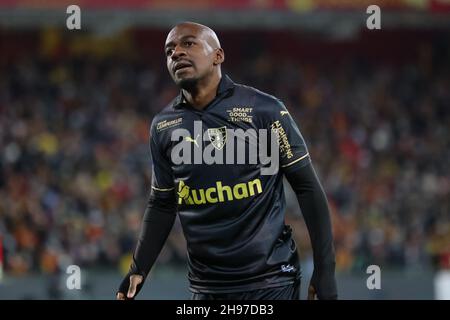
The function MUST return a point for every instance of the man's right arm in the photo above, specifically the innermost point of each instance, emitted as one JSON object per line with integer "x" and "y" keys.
{"x": 158, "y": 220}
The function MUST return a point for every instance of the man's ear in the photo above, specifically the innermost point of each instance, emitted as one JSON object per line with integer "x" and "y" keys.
{"x": 220, "y": 56}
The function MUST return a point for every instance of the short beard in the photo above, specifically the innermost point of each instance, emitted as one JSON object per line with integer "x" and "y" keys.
{"x": 187, "y": 84}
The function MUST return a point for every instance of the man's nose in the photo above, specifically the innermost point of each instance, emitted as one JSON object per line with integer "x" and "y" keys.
{"x": 178, "y": 52}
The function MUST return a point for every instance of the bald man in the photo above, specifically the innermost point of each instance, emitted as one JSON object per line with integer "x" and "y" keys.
{"x": 194, "y": 57}
{"x": 232, "y": 215}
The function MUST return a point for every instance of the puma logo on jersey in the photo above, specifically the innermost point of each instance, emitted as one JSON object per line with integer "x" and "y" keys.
{"x": 189, "y": 139}
{"x": 284, "y": 113}
{"x": 218, "y": 193}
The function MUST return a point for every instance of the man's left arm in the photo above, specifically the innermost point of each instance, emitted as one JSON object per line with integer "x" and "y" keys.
{"x": 314, "y": 207}
{"x": 296, "y": 165}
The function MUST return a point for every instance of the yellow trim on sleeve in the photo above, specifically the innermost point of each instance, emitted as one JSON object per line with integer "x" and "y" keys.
{"x": 291, "y": 163}
{"x": 158, "y": 189}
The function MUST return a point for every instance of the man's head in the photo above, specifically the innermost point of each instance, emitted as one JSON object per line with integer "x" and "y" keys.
{"x": 193, "y": 53}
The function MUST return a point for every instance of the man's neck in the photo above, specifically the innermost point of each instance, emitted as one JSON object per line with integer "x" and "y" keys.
{"x": 203, "y": 93}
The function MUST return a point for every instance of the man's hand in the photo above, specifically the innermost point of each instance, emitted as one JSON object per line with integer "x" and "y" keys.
{"x": 312, "y": 295}
{"x": 131, "y": 285}
{"x": 323, "y": 285}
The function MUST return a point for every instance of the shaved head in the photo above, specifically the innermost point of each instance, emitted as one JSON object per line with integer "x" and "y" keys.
{"x": 204, "y": 31}
{"x": 193, "y": 54}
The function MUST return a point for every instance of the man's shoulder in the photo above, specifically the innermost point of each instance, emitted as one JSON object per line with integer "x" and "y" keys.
{"x": 166, "y": 117}
{"x": 263, "y": 102}
{"x": 259, "y": 97}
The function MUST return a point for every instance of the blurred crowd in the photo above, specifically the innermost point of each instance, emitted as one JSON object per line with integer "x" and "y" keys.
{"x": 75, "y": 161}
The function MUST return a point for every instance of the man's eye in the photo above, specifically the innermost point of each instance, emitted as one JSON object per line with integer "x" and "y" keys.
{"x": 169, "y": 52}
{"x": 188, "y": 43}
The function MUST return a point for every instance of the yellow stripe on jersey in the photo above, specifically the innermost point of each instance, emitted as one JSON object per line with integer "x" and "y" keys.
{"x": 291, "y": 163}
{"x": 159, "y": 189}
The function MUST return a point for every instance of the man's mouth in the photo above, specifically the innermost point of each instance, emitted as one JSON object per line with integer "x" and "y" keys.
{"x": 181, "y": 65}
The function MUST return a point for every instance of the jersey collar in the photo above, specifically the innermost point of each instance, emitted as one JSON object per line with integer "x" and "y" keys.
{"x": 225, "y": 85}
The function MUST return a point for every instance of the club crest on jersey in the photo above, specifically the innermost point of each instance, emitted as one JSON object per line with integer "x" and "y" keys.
{"x": 218, "y": 137}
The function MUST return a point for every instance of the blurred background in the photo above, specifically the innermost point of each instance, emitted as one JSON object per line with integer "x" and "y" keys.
{"x": 76, "y": 106}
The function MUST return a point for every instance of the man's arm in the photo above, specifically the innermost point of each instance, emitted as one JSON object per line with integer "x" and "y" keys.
{"x": 158, "y": 220}
{"x": 314, "y": 207}
{"x": 296, "y": 166}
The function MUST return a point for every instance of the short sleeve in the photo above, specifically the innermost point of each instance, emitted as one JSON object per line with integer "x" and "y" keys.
{"x": 293, "y": 151}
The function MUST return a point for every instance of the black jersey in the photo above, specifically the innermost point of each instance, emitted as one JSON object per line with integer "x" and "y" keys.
{"x": 232, "y": 215}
